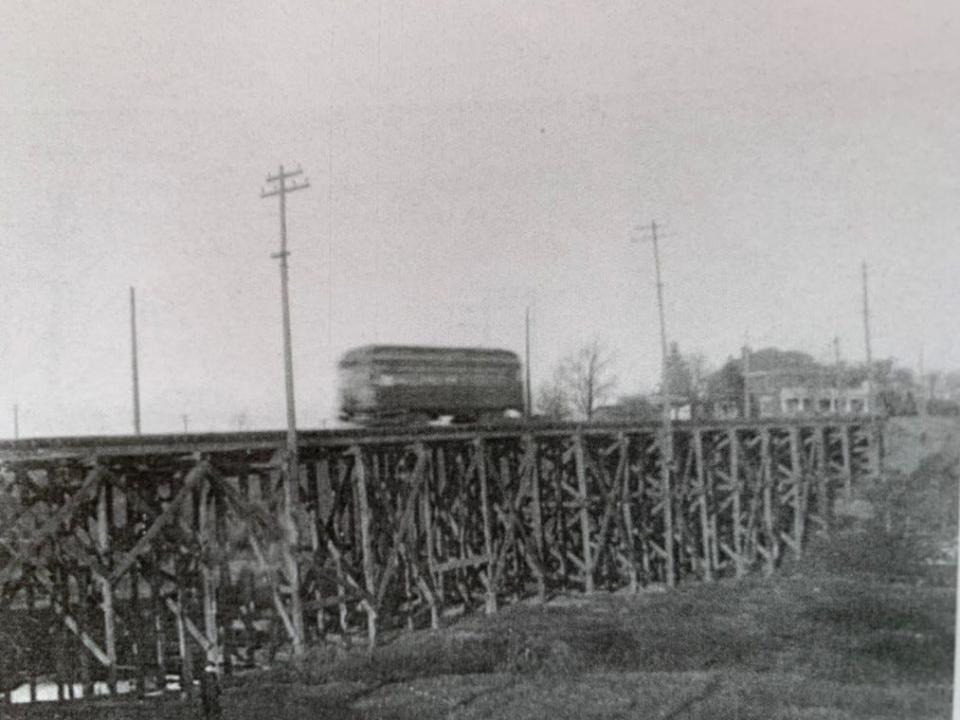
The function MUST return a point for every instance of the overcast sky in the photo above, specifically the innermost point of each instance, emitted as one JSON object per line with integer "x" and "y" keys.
{"x": 466, "y": 159}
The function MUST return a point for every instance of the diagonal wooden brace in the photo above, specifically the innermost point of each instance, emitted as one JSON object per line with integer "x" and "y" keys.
{"x": 405, "y": 524}
{"x": 70, "y": 622}
{"x": 195, "y": 475}
{"x": 270, "y": 574}
{"x": 205, "y": 645}
{"x": 90, "y": 484}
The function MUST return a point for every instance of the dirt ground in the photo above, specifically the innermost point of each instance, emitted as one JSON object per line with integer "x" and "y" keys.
{"x": 862, "y": 627}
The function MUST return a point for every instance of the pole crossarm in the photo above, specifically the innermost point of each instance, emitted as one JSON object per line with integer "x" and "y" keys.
{"x": 284, "y": 174}
{"x": 286, "y": 190}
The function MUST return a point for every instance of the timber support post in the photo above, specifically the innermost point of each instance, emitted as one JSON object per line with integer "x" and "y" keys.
{"x": 584, "y": 501}
{"x": 366, "y": 519}
{"x": 771, "y": 552}
{"x": 846, "y": 467}
{"x": 666, "y": 489}
{"x": 104, "y": 515}
{"x": 703, "y": 500}
{"x": 798, "y": 492}
{"x": 289, "y": 545}
{"x": 199, "y": 538}
{"x": 480, "y": 459}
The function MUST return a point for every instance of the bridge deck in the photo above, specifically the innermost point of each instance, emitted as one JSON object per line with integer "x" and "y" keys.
{"x": 83, "y": 446}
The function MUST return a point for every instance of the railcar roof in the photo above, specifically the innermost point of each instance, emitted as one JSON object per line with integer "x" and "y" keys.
{"x": 425, "y": 351}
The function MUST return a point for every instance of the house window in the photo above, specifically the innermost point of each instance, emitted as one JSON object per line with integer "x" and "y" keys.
{"x": 825, "y": 405}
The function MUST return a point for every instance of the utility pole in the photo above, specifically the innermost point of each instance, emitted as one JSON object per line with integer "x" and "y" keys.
{"x": 866, "y": 334}
{"x": 292, "y": 465}
{"x": 836, "y": 374}
{"x": 746, "y": 380}
{"x": 526, "y": 364}
{"x": 876, "y": 432}
{"x": 16, "y": 422}
{"x": 281, "y": 190}
{"x": 186, "y": 422}
{"x": 667, "y": 430}
{"x": 133, "y": 361}
{"x": 923, "y": 385}
{"x": 663, "y": 324}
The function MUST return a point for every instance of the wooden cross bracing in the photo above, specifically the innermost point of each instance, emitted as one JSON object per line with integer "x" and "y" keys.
{"x": 157, "y": 560}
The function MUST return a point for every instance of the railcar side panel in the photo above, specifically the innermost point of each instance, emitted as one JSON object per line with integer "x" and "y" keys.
{"x": 385, "y": 381}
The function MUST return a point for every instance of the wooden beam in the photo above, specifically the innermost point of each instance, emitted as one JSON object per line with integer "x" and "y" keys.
{"x": 104, "y": 499}
{"x": 71, "y": 623}
{"x": 366, "y": 519}
{"x": 704, "y": 494}
{"x": 666, "y": 490}
{"x": 206, "y": 529}
{"x": 463, "y": 562}
{"x": 626, "y": 519}
{"x": 274, "y": 587}
{"x": 405, "y": 525}
{"x": 51, "y": 526}
{"x": 196, "y": 474}
{"x": 766, "y": 482}
{"x": 737, "y": 511}
{"x": 799, "y": 481}
{"x": 609, "y": 497}
{"x": 532, "y": 460}
{"x": 192, "y": 630}
{"x": 584, "y": 498}
{"x": 844, "y": 431}
{"x": 823, "y": 479}
{"x": 480, "y": 463}
{"x": 289, "y": 542}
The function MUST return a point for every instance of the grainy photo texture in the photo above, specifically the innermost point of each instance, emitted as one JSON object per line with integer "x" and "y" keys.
{"x": 419, "y": 358}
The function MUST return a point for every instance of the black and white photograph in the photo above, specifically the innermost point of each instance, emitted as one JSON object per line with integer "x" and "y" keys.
{"x": 392, "y": 359}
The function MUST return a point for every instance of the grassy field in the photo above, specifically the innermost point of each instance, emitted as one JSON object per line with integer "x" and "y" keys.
{"x": 862, "y": 627}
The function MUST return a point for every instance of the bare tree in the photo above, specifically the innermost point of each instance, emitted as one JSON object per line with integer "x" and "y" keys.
{"x": 585, "y": 376}
{"x": 552, "y": 399}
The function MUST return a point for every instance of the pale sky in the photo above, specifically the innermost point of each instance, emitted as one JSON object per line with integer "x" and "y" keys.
{"x": 465, "y": 159}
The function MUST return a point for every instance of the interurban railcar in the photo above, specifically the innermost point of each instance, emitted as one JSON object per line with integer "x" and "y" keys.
{"x": 396, "y": 383}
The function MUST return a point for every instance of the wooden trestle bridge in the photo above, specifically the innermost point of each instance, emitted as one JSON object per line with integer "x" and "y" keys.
{"x": 138, "y": 556}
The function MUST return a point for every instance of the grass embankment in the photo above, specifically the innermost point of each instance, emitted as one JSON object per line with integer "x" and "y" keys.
{"x": 862, "y": 627}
